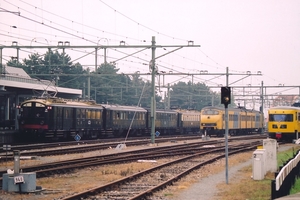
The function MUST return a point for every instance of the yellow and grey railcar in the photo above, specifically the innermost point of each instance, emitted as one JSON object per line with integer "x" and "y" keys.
{"x": 284, "y": 123}
{"x": 241, "y": 121}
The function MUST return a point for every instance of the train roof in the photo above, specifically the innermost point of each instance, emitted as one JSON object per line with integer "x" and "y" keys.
{"x": 187, "y": 111}
{"x": 284, "y": 108}
{"x": 64, "y": 102}
{"x": 124, "y": 108}
{"x": 163, "y": 111}
{"x": 230, "y": 109}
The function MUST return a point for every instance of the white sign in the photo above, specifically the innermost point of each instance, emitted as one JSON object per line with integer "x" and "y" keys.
{"x": 19, "y": 179}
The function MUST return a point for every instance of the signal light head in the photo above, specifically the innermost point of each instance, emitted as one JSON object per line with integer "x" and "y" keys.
{"x": 225, "y": 95}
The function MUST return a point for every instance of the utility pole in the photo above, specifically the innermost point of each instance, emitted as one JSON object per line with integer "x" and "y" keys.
{"x": 153, "y": 101}
{"x": 262, "y": 106}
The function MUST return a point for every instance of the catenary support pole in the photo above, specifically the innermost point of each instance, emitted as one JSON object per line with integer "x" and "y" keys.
{"x": 226, "y": 131}
{"x": 153, "y": 103}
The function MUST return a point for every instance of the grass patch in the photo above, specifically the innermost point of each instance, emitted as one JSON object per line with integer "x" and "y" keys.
{"x": 296, "y": 188}
{"x": 242, "y": 186}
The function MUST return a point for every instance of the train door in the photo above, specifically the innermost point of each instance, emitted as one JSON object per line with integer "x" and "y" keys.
{"x": 58, "y": 117}
{"x": 67, "y": 118}
{"x": 73, "y": 118}
{"x": 298, "y": 123}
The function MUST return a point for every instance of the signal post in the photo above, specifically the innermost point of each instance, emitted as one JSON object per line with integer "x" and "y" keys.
{"x": 226, "y": 99}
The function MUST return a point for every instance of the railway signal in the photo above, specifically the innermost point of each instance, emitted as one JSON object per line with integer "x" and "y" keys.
{"x": 225, "y": 96}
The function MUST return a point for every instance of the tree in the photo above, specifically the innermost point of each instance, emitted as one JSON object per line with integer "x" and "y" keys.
{"x": 192, "y": 96}
{"x": 52, "y": 66}
{"x": 108, "y": 86}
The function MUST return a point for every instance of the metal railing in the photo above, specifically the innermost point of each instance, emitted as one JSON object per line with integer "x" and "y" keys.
{"x": 286, "y": 177}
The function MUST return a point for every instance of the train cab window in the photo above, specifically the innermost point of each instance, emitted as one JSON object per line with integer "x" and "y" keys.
{"x": 210, "y": 112}
{"x": 281, "y": 117}
{"x": 39, "y": 105}
{"x": 27, "y": 105}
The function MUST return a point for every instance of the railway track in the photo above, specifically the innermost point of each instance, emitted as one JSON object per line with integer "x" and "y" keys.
{"x": 67, "y": 166}
{"x": 47, "y": 149}
{"x": 52, "y": 149}
{"x": 43, "y": 170}
{"x": 144, "y": 184}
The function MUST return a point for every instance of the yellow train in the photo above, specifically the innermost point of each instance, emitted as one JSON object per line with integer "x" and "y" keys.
{"x": 241, "y": 121}
{"x": 284, "y": 123}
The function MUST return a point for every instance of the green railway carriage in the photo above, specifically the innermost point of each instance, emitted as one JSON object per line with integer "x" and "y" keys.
{"x": 45, "y": 119}
{"x": 59, "y": 118}
{"x": 119, "y": 120}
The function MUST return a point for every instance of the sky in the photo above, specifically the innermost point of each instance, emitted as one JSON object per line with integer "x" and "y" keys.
{"x": 245, "y": 36}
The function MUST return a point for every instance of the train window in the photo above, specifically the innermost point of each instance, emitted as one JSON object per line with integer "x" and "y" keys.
{"x": 39, "y": 105}
{"x": 77, "y": 113}
{"x": 281, "y": 117}
{"x": 88, "y": 114}
{"x": 98, "y": 114}
{"x": 83, "y": 113}
{"x": 27, "y": 105}
{"x": 92, "y": 114}
{"x": 299, "y": 116}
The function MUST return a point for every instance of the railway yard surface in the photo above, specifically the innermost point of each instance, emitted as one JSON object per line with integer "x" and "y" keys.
{"x": 199, "y": 184}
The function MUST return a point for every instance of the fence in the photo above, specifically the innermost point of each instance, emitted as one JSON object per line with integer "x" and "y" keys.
{"x": 286, "y": 177}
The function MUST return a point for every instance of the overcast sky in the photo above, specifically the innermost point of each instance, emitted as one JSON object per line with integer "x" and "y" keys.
{"x": 243, "y": 35}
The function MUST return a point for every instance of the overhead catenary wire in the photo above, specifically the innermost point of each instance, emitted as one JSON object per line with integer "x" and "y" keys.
{"x": 85, "y": 37}
{"x": 134, "y": 113}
